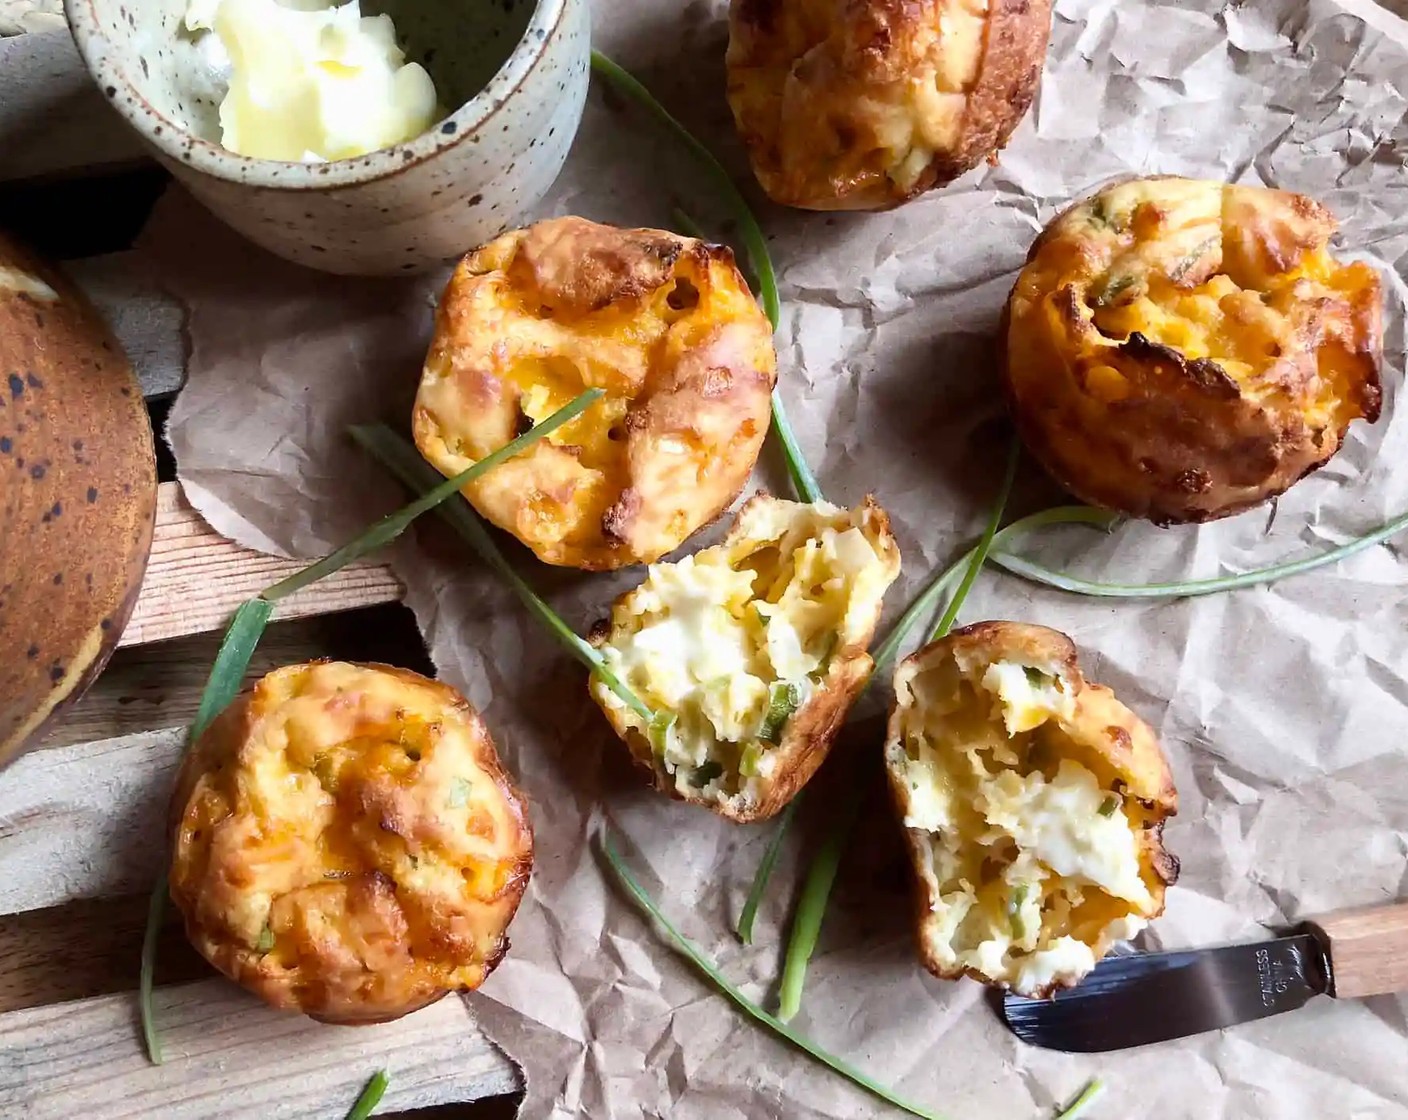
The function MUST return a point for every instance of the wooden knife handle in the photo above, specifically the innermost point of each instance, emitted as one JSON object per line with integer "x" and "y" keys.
{"x": 1367, "y": 948}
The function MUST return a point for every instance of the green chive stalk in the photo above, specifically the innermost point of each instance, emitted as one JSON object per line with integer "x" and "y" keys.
{"x": 399, "y": 457}
{"x": 710, "y": 971}
{"x": 1065, "y": 581}
{"x": 748, "y": 915}
{"x": 1082, "y": 1103}
{"x": 371, "y": 1096}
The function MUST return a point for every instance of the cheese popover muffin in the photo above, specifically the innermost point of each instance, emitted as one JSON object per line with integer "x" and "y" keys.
{"x": 750, "y": 653}
{"x": 664, "y": 324}
{"x": 1181, "y": 350}
{"x": 1033, "y": 804}
{"x": 346, "y": 843}
{"x": 863, "y": 104}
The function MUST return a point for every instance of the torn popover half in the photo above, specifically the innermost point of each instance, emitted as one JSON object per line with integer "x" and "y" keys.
{"x": 750, "y": 653}
{"x": 664, "y": 324}
{"x": 1033, "y": 804}
{"x": 346, "y": 843}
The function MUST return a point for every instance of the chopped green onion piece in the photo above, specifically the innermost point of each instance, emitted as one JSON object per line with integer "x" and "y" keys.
{"x": 266, "y": 940}
{"x": 1065, "y": 581}
{"x": 247, "y": 626}
{"x": 1113, "y": 288}
{"x": 783, "y": 698}
{"x": 828, "y": 650}
{"x": 393, "y": 525}
{"x": 1186, "y": 264}
{"x": 1019, "y": 897}
{"x": 705, "y": 774}
{"x": 710, "y": 971}
{"x": 782, "y": 702}
{"x": 658, "y": 732}
{"x": 750, "y": 757}
{"x": 1086, "y": 1098}
{"x": 803, "y": 480}
{"x": 397, "y": 455}
{"x": 1101, "y": 215}
{"x": 1035, "y": 677}
{"x": 764, "y": 872}
{"x": 1109, "y": 805}
{"x": 371, "y": 1096}
{"x": 458, "y": 797}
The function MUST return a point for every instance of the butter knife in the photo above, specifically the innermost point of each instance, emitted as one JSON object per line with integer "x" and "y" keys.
{"x": 1143, "y": 998}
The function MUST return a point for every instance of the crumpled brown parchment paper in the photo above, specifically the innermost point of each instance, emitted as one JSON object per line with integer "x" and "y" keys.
{"x": 1284, "y": 709}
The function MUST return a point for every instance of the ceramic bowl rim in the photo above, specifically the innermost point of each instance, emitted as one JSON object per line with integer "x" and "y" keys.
{"x": 184, "y": 148}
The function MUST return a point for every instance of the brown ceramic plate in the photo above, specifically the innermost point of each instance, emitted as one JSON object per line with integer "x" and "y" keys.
{"x": 77, "y": 494}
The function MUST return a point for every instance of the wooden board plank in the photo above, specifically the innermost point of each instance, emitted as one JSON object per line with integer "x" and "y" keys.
{"x": 159, "y": 685}
{"x": 85, "y": 821}
{"x": 88, "y": 948}
{"x": 196, "y": 578}
{"x": 229, "y": 1056}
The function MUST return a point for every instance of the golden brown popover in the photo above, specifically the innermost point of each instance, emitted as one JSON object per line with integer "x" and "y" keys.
{"x": 346, "y": 843}
{"x": 1181, "y": 350}
{"x": 1033, "y": 804}
{"x": 863, "y": 104}
{"x": 753, "y": 649}
{"x": 664, "y": 324}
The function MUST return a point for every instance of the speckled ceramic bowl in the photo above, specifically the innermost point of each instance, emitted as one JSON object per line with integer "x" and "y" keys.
{"x": 517, "y": 69}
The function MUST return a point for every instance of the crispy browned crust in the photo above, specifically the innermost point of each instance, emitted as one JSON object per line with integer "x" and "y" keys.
{"x": 807, "y": 736}
{"x": 817, "y": 88}
{"x": 1182, "y": 439}
{"x": 1111, "y": 733}
{"x": 77, "y": 495}
{"x": 665, "y": 324}
{"x": 372, "y": 949}
{"x": 581, "y": 266}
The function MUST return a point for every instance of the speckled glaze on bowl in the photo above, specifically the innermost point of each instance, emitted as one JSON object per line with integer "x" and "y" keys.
{"x": 517, "y": 69}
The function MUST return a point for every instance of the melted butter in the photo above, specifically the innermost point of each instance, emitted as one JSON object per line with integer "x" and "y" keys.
{"x": 313, "y": 82}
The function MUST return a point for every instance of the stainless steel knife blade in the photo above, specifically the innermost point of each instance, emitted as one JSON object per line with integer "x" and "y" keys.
{"x": 1142, "y": 998}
